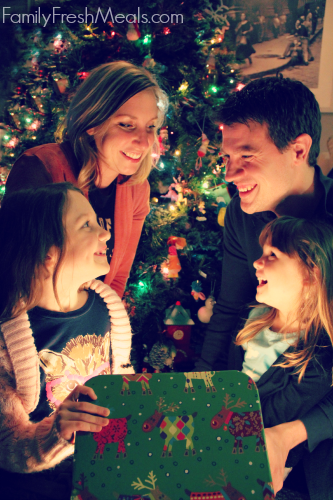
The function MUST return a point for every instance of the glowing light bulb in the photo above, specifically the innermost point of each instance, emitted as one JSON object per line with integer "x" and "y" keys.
{"x": 183, "y": 87}
{"x": 177, "y": 152}
{"x": 147, "y": 39}
{"x": 172, "y": 208}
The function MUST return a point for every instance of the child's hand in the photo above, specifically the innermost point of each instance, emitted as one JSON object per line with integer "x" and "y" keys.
{"x": 80, "y": 416}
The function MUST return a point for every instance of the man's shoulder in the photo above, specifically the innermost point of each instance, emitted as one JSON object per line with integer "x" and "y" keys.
{"x": 327, "y": 183}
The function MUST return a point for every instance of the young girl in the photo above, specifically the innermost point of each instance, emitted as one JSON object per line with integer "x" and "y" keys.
{"x": 288, "y": 340}
{"x": 55, "y": 334}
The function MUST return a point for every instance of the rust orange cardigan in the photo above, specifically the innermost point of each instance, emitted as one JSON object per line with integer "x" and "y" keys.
{"x": 51, "y": 163}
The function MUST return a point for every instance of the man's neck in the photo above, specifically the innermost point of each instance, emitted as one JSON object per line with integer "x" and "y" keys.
{"x": 302, "y": 202}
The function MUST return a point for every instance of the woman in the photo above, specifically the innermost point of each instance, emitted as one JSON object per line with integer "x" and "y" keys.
{"x": 107, "y": 141}
{"x": 244, "y": 48}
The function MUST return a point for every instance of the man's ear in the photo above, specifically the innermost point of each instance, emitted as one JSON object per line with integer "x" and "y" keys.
{"x": 301, "y": 147}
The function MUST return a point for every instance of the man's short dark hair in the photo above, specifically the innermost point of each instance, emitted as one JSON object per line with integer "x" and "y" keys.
{"x": 287, "y": 106}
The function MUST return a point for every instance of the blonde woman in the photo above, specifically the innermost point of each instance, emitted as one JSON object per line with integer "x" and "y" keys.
{"x": 106, "y": 148}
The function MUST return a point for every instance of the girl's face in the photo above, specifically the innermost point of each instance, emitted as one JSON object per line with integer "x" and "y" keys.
{"x": 281, "y": 279}
{"x": 85, "y": 254}
{"x": 130, "y": 135}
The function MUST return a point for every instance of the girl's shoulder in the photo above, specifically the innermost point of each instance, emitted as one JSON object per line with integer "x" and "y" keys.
{"x": 258, "y": 311}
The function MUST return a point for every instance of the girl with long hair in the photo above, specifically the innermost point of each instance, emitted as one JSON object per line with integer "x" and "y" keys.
{"x": 55, "y": 333}
{"x": 288, "y": 338}
{"x": 107, "y": 146}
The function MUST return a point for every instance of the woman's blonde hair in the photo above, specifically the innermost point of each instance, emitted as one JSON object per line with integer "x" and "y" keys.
{"x": 105, "y": 90}
{"x": 311, "y": 243}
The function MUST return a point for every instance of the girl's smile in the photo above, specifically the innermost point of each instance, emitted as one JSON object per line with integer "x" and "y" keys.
{"x": 281, "y": 279}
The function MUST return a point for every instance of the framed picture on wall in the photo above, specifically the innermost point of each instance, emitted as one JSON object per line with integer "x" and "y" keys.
{"x": 273, "y": 39}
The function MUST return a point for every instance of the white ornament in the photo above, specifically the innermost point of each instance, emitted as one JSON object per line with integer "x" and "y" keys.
{"x": 205, "y": 312}
{"x": 132, "y": 33}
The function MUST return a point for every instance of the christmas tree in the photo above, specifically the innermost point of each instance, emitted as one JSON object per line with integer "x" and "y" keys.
{"x": 188, "y": 47}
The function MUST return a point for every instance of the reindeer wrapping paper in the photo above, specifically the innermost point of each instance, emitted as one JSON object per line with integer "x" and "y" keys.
{"x": 174, "y": 436}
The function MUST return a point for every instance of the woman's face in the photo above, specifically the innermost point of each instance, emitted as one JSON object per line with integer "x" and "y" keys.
{"x": 129, "y": 137}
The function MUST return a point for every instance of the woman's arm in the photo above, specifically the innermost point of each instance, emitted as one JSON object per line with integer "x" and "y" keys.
{"x": 140, "y": 210}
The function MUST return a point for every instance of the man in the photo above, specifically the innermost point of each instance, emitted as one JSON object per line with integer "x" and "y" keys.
{"x": 271, "y": 133}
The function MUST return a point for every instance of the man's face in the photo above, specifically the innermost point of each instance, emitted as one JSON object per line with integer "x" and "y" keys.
{"x": 263, "y": 175}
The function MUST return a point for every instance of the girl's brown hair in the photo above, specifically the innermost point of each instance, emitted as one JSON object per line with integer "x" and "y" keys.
{"x": 31, "y": 222}
{"x": 311, "y": 243}
{"x": 105, "y": 90}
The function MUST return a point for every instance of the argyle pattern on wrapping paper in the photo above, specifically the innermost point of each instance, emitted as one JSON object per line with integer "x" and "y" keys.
{"x": 177, "y": 428}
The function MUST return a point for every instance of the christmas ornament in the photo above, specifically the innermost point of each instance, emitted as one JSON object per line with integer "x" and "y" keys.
{"x": 62, "y": 84}
{"x": 202, "y": 151}
{"x": 162, "y": 354}
{"x": 59, "y": 45}
{"x": 149, "y": 62}
{"x": 221, "y": 210}
{"x": 201, "y": 208}
{"x": 179, "y": 188}
{"x": 163, "y": 140}
{"x": 220, "y": 33}
{"x": 59, "y": 83}
{"x": 175, "y": 243}
{"x": 205, "y": 312}
{"x": 133, "y": 32}
{"x": 172, "y": 194}
{"x": 197, "y": 291}
{"x": 34, "y": 125}
{"x": 219, "y": 16}
{"x": 179, "y": 325}
{"x": 211, "y": 63}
